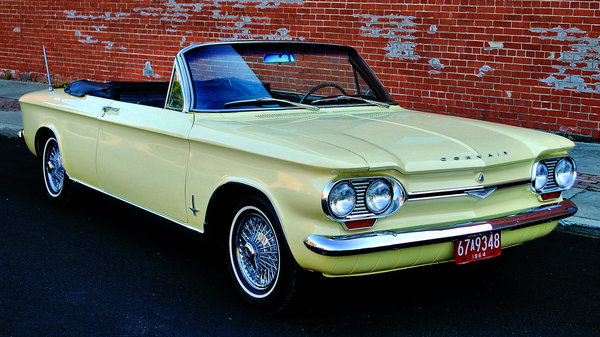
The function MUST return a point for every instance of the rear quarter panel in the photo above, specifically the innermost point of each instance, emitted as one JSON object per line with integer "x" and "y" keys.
{"x": 74, "y": 122}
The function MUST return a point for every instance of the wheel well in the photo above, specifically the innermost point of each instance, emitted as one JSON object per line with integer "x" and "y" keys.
{"x": 222, "y": 202}
{"x": 41, "y": 137}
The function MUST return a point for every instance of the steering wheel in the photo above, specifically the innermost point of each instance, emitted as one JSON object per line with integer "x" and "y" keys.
{"x": 321, "y": 86}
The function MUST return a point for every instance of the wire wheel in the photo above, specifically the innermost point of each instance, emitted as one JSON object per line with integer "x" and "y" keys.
{"x": 53, "y": 169}
{"x": 254, "y": 251}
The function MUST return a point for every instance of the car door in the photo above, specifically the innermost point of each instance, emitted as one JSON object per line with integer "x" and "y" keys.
{"x": 142, "y": 156}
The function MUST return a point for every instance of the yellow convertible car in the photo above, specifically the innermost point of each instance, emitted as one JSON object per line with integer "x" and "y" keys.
{"x": 293, "y": 155}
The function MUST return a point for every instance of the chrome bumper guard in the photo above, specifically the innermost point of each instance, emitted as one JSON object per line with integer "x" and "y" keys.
{"x": 386, "y": 240}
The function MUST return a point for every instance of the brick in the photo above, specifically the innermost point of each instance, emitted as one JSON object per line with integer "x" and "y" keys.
{"x": 532, "y": 75}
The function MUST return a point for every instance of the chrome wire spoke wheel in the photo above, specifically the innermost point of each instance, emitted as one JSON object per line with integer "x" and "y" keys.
{"x": 54, "y": 171}
{"x": 255, "y": 252}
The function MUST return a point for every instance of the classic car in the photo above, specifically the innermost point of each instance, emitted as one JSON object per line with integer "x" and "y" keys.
{"x": 294, "y": 156}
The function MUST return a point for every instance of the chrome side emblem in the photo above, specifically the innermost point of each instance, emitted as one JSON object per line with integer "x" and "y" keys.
{"x": 193, "y": 208}
{"x": 481, "y": 194}
{"x": 480, "y": 178}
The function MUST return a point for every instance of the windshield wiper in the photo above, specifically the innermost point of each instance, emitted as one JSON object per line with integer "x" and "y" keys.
{"x": 343, "y": 97}
{"x": 271, "y": 99}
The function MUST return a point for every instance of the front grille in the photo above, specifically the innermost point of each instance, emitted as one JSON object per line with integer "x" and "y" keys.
{"x": 551, "y": 165}
{"x": 360, "y": 187}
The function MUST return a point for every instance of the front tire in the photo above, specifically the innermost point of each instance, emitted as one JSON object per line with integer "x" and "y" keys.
{"x": 260, "y": 263}
{"x": 56, "y": 180}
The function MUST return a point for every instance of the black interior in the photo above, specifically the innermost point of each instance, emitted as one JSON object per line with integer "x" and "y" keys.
{"x": 144, "y": 93}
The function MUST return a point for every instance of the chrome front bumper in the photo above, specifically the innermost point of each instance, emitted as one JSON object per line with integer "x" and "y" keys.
{"x": 386, "y": 240}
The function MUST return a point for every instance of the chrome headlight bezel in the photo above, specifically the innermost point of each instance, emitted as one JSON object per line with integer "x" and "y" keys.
{"x": 551, "y": 182}
{"x": 361, "y": 210}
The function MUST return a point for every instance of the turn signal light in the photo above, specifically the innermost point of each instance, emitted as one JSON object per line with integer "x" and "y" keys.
{"x": 360, "y": 224}
{"x": 550, "y": 196}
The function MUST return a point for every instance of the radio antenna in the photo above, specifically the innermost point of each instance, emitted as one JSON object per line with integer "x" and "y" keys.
{"x": 47, "y": 71}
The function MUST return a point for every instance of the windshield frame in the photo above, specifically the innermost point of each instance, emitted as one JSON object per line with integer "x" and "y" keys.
{"x": 359, "y": 65}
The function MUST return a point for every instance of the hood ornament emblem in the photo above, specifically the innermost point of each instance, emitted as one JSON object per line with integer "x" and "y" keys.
{"x": 480, "y": 178}
{"x": 482, "y": 193}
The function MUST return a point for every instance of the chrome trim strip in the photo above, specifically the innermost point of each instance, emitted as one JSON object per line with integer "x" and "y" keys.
{"x": 354, "y": 244}
{"x": 462, "y": 191}
{"x": 186, "y": 81}
{"x": 138, "y": 206}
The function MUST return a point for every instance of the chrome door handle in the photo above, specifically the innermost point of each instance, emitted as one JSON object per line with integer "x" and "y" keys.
{"x": 109, "y": 108}
{"x": 106, "y": 109}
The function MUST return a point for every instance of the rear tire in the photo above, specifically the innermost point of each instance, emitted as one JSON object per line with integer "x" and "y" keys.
{"x": 260, "y": 263}
{"x": 56, "y": 181}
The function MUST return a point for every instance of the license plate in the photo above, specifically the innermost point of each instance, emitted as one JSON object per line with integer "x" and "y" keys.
{"x": 477, "y": 247}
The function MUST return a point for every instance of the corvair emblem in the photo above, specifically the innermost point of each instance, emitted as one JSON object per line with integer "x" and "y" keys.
{"x": 480, "y": 178}
{"x": 482, "y": 193}
{"x": 478, "y": 156}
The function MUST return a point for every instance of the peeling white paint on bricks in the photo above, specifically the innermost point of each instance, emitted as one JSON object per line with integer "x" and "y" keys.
{"x": 495, "y": 45}
{"x": 397, "y": 29}
{"x": 583, "y": 56}
{"x": 87, "y": 38}
{"x": 242, "y": 30}
{"x": 180, "y": 13}
{"x": 174, "y": 14}
{"x": 108, "y": 16}
{"x": 437, "y": 65}
{"x": 98, "y": 28}
{"x": 483, "y": 70}
{"x": 111, "y": 45}
{"x": 259, "y": 3}
{"x": 148, "y": 71}
{"x": 241, "y": 27}
{"x": 219, "y": 16}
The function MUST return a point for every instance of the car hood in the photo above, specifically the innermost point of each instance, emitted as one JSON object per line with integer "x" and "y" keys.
{"x": 376, "y": 138}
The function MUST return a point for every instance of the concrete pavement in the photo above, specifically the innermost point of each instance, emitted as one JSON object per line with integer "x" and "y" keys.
{"x": 586, "y": 192}
{"x": 16, "y": 89}
{"x": 10, "y": 113}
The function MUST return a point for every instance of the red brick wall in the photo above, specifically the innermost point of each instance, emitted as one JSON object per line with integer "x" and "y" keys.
{"x": 529, "y": 63}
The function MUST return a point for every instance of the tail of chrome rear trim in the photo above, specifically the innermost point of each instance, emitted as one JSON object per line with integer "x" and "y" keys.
{"x": 387, "y": 240}
{"x": 21, "y": 134}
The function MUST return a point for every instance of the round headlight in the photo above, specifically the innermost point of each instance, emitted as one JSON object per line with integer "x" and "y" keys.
{"x": 564, "y": 173}
{"x": 342, "y": 200}
{"x": 378, "y": 196}
{"x": 540, "y": 176}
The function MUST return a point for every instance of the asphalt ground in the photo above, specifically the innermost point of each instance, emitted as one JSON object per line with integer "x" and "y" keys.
{"x": 100, "y": 267}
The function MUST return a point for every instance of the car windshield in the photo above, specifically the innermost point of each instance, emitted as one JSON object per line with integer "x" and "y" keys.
{"x": 280, "y": 75}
